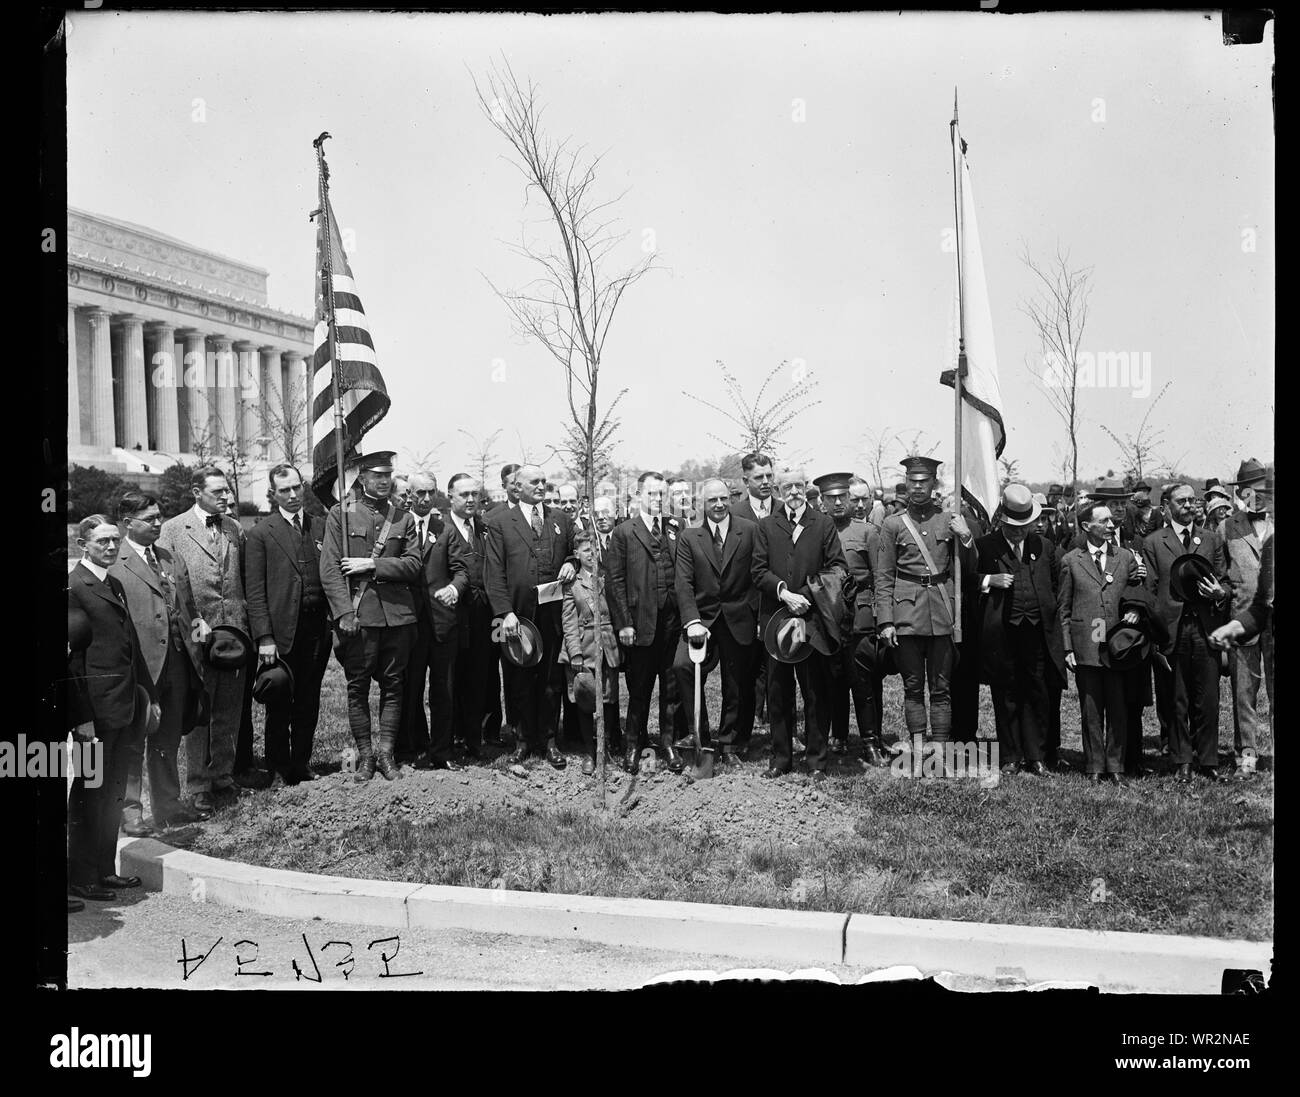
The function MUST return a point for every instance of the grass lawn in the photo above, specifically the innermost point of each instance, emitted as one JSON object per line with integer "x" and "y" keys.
{"x": 1152, "y": 856}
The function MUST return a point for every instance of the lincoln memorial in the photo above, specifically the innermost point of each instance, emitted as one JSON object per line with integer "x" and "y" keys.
{"x": 174, "y": 356}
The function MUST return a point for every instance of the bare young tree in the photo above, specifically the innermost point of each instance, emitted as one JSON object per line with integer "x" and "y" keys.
{"x": 760, "y": 428}
{"x": 570, "y": 304}
{"x": 585, "y": 464}
{"x": 1059, "y": 315}
{"x": 1010, "y": 470}
{"x": 483, "y": 457}
{"x": 1139, "y": 450}
{"x": 284, "y": 419}
{"x": 425, "y": 461}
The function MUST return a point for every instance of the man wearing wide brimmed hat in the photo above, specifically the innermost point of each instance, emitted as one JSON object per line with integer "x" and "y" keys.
{"x": 1250, "y": 473}
{"x": 368, "y": 585}
{"x": 1096, "y": 582}
{"x": 915, "y": 597}
{"x": 1188, "y": 580}
{"x": 1141, "y": 516}
{"x": 1112, "y": 494}
{"x": 1015, "y": 580}
{"x": 1251, "y": 663}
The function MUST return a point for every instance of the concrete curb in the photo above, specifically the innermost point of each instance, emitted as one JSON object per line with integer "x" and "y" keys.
{"x": 1017, "y": 955}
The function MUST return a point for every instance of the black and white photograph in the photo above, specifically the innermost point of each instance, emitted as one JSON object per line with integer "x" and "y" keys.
{"x": 616, "y": 500}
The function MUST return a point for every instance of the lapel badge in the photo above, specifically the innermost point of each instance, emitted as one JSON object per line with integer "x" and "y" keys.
{"x": 1196, "y": 540}
{"x": 1110, "y": 578}
{"x": 557, "y": 530}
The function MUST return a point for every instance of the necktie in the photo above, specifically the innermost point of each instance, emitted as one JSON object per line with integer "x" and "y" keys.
{"x": 654, "y": 531}
{"x": 790, "y": 514}
{"x": 297, "y": 525}
{"x": 1187, "y": 540}
{"x": 1101, "y": 570}
{"x": 153, "y": 561}
{"x": 420, "y": 527}
{"x": 537, "y": 522}
{"x": 717, "y": 539}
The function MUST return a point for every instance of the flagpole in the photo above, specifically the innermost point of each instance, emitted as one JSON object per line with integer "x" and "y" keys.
{"x": 327, "y": 290}
{"x": 960, "y": 372}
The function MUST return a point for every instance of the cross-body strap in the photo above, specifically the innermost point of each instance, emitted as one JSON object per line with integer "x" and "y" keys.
{"x": 378, "y": 547}
{"x": 929, "y": 560}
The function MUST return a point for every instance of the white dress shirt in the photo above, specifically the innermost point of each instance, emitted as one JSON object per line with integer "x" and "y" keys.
{"x": 99, "y": 573}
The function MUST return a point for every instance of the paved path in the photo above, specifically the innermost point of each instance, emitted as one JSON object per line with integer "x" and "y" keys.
{"x": 136, "y": 942}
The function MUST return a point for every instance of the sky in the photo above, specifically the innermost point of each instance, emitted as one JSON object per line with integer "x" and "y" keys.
{"x": 793, "y": 177}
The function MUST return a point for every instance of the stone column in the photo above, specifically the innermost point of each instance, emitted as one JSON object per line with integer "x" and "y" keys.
{"x": 194, "y": 380}
{"x": 298, "y": 397}
{"x": 225, "y": 408}
{"x": 101, "y": 387}
{"x": 250, "y": 399}
{"x": 276, "y": 406}
{"x": 74, "y": 400}
{"x": 164, "y": 378}
{"x": 135, "y": 416}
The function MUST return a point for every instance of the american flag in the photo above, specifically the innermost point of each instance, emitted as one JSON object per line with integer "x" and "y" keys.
{"x": 365, "y": 399}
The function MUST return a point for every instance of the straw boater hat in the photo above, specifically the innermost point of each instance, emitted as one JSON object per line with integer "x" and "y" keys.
{"x": 1019, "y": 507}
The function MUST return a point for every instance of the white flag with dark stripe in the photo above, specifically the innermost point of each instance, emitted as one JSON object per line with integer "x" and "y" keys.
{"x": 983, "y": 434}
{"x": 365, "y": 399}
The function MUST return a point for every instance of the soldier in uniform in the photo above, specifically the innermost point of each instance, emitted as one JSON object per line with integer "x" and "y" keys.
{"x": 859, "y": 539}
{"x": 914, "y": 597}
{"x": 368, "y": 585}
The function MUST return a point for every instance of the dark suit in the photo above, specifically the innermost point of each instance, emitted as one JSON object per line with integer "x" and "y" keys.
{"x": 717, "y": 590}
{"x": 286, "y": 605}
{"x": 1182, "y": 630}
{"x": 476, "y": 656}
{"x": 757, "y": 670}
{"x": 1018, "y": 640}
{"x": 162, "y": 609}
{"x": 781, "y": 559}
{"x": 433, "y": 656}
{"x": 104, "y": 679}
{"x": 516, "y": 562}
{"x": 642, "y": 596}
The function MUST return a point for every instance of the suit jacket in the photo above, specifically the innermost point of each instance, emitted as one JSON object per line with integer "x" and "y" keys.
{"x": 1088, "y": 604}
{"x": 442, "y": 562}
{"x": 105, "y": 675}
{"x": 515, "y": 561}
{"x": 631, "y": 590}
{"x": 1258, "y": 616}
{"x": 1160, "y": 550}
{"x": 993, "y": 556}
{"x": 744, "y": 508}
{"x": 146, "y": 601}
{"x": 712, "y": 586}
{"x": 778, "y": 558}
{"x": 216, "y": 574}
{"x": 274, "y": 576}
{"x": 387, "y": 600}
{"x": 1245, "y": 550}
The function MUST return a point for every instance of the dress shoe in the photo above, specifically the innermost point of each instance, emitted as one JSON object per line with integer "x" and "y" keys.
{"x": 181, "y": 817}
{"x": 771, "y": 773}
{"x": 226, "y": 793}
{"x": 253, "y": 778}
{"x": 92, "y": 891}
{"x": 120, "y": 882}
{"x": 204, "y": 804}
{"x": 75, "y": 905}
{"x": 588, "y": 766}
{"x": 555, "y": 757}
{"x": 1111, "y": 778}
{"x": 385, "y": 765}
{"x": 1010, "y": 769}
{"x": 819, "y": 775}
{"x": 301, "y": 774}
{"x": 519, "y": 753}
{"x": 472, "y": 751}
{"x": 422, "y": 761}
{"x": 839, "y": 746}
{"x": 1211, "y": 773}
{"x": 631, "y": 759}
{"x": 1060, "y": 766}
{"x": 1183, "y": 771}
{"x": 366, "y": 767}
{"x": 873, "y": 754}
{"x": 1038, "y": 769}
{"x": 443, "y": 763}
{"x": 674, "y": 761}
{"x": 137, "y": 828}
{"x": 1093, "y": 778}
{"x": 278, "y": 782}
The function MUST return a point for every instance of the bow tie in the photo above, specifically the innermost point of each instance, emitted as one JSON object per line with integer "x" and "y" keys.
{"x": 1258, "y": 515}
{"x": 214, "y": 520}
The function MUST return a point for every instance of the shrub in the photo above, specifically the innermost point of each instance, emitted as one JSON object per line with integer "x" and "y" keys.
{"x": 174, "y": 494}
{"x": 93, "y": 491}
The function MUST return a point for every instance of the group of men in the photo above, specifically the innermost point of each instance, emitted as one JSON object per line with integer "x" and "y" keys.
{"x": 452, "y": 605}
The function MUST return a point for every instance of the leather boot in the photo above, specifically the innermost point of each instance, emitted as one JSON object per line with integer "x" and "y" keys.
{"x": 631, "y": 755}
{"x": 384, "y": 761}
{"x": 365, "y": 759}
{"x": 675, "y": 762}
{"x": 703, "y": 768}
{"x": 873, "y": 753}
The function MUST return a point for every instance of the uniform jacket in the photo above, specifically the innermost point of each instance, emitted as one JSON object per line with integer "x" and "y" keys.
{"x": 912, "y": 608}
{"x": 631, "y": 567}
{"x": 388, "y": 600}
{"x": 1160, "y": 550}
{"x": 216, "y": 574}
{"x": 779, "y": 558}
{"x": 105, "y": 675}
{"x": 1244, "y": 550}
{"x": 516, "y": 561}
{"x": 442, "y": 562}
{"x": 712, "y": 586}
{"x": 860, "y": 541}
{"x": 1088, "y": 604}
{"x": 274, "y": 577}
{"x": 994, "y": 556}
{"x": 146, "y": 601}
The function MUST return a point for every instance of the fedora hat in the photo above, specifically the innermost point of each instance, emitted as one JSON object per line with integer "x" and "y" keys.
{"x": 525, "y": 649}
{"x": 79, "y": 631}
{"x": 274, "y": 683}
{"x": 1249, "y": 471}
{"x": 874, "y": 657}
{"x": 1019, "y": 507}
{"x": 1184, "y": 573}
{"x": 229, "y": 648}
{"x": 1109, "y": 489}
{"x": 787, "y": 638}
{"x": 1127, "y": 645}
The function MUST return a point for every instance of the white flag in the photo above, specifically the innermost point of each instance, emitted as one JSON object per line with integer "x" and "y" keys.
{"x": 983, "y": 433}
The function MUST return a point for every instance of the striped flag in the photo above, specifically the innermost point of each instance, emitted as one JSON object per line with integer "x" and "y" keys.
{"x": 983, "y": 434}
{"x": 365, "y": 399}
